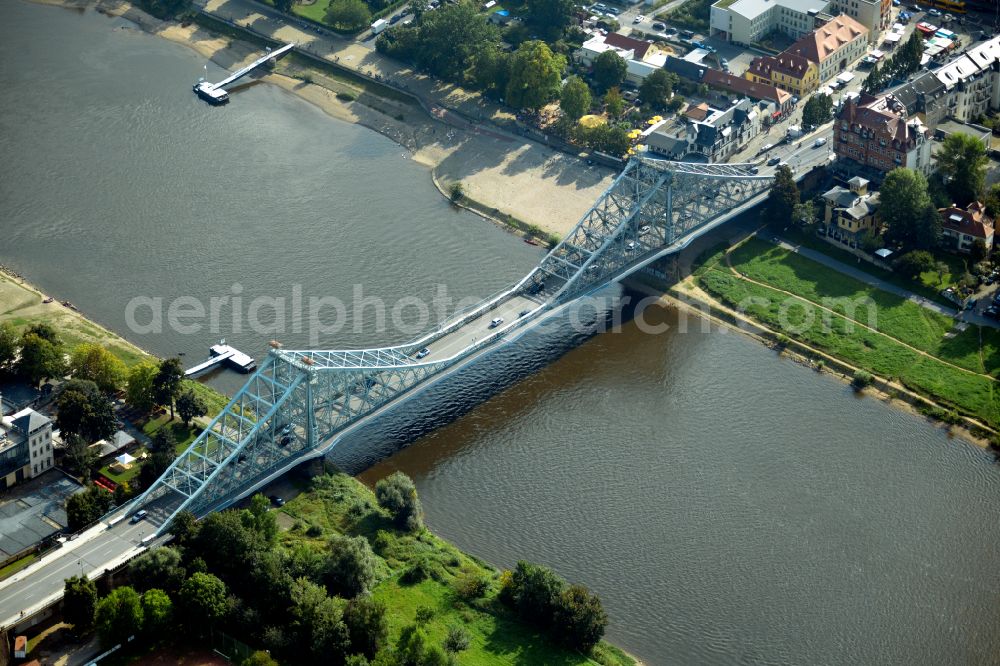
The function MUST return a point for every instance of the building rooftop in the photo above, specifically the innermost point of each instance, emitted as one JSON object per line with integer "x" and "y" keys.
{"x": 976, "y": 59}
{"x": 28, "y": 421}
{"x": 637, "y": 46}
{"x": 856, "y": 206}
{"x": 751, "y": 9}
{"x": 824, "y": 41}
{"x": 883, "y": 117}
{"x": 972, "y": 221}
{"x": 787, "y": 63}
{"x": 746, "y": 87}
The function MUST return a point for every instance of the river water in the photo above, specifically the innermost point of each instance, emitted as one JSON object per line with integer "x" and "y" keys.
{"x": 729, "y": 506}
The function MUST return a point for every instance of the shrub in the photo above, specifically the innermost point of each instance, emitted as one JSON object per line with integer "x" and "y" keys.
{"x": 455, "y": 192}
{"x": 471, "y": 586}
{"x": 456, "y": 640}
{"x": 416, "y": 572}
{"x": 861, "y": 379}
{"x": 424, "y": 615}
{"x": 314, "y": 531}
{"x": 397, "y": 495}
{"x": 351, "y": 568}
{"x": 346, "y": 96}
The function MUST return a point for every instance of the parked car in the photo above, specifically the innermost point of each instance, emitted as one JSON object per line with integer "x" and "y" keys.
{"x": 659, "y": 26}
{"x": 934, "y": 12}
{"x": 276, "y": 501}
{"x": 687, "y": 34}
{"x": 992, "y": 312}
{"x": 766, "y": 147}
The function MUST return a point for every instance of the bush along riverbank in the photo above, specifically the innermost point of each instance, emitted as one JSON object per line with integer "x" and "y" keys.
{"x": 344, "y": 575}
{"x": 905, "y": 346}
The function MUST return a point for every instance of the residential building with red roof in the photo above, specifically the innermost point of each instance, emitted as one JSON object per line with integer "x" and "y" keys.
{"x": 788, "y": 71}
{"x": 960, "y": 229}
{"x": 833, "y": 46}
{"x": 873, "y": 135}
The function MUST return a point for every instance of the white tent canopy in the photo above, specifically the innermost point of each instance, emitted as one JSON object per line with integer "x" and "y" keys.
{"x": 125, "y": 459}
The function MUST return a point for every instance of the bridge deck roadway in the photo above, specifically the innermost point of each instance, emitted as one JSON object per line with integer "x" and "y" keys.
{"x": 42, "y": 582}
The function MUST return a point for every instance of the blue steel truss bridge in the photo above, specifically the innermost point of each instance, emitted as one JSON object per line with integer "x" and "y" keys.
{"x": 300, "y": 403}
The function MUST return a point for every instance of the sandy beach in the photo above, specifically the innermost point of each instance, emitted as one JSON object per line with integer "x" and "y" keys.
{"x": 500, "y": 171}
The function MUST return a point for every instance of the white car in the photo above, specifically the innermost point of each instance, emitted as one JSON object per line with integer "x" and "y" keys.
{"x": 821, "y": 141}
{"x": 639, "y": 19}
{"x": 496, "y": 322}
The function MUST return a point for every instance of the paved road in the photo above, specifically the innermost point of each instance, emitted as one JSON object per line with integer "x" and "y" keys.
{"x": 37, "y": 584}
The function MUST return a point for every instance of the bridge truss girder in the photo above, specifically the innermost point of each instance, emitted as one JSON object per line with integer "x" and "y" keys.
{"x": 298, "y": 402}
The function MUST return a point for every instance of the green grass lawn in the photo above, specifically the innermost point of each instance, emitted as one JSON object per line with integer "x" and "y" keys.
{"x": 967, "y": 393}
{"x": 17, "y": 565}
{"x": 341, "y": 504}
{"x": 897, "y": 317}
{"x": 182, "y": 433}
{"x": 929, "y": 286}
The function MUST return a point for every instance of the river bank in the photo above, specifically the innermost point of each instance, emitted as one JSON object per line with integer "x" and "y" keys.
{"x": 690, "y": 296}
{"x": 500, "y": 171}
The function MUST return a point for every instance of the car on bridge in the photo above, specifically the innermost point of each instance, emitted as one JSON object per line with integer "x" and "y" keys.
{"x": 496, "y": 322}
{"x": 423, "y": 352}
{"x": 138, "y": 515}
{"x": 774, "y": 161}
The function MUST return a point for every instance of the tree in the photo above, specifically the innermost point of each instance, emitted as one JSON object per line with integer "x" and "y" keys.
{"x": 284, "y": 5}
{"x": 203, "y": 600}
{"x": 154, "y": 467}
{"x": 85, "y": 507}
{"x": 535, "y": 73}
{"x": 656, "y": 88}
{"x": 962, "y": 161}
{"x": 118, "y": 616}
{"x": 609, "y": 70}
{"x": 164, "y": 440}
{"x": 551, "y": 16}
{"x": 580, "y": 619}
{"x": 782, "y": 200}
{"x": 804, "y": 212}
{"x": 318, "y": 621}
{"x": 915, "y": 262}
{"x": 444, "y": 42}
{"x": 351, "y": 567}
{"x": 367, "y": 625}
{"x": 457, "y": 639}
{"x": 978, "y": 251}
{"x": 157, "y": 612}
{"x": 348, "y": 15}
{"x": 490, "y": 70}
{"x": 159, "y": 568}
{"x": 259, "y": 658}
{"x": 612, "y": 140}
{"x": 190, "y": 406}
{"x": 80, "y": 458}
{"x": 397, "y": 495}
{"x": 260, "y": 519}
{"x": 79, "y": 603}
{"x": 94, "y": 362}
{"x": 41, "y": 354}
{"x": 992, "y": 201}
{"x": 184, "y": 527}
{"x": 818, "y": 109}
{"x": 167, "y": 383}
{"x": 8, "y": 344}
{"x": 904, "y": 209}
{"x": 614, "y": 103}
{"x": 574, "y": 100}
{"x": 139, "y": 391}
{"x": 533, "y": 591}
{"x": 83, "y": 410}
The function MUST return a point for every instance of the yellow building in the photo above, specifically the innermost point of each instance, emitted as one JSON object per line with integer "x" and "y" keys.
{"x": 787, "y": 71}
{"x": 848, "y": 214}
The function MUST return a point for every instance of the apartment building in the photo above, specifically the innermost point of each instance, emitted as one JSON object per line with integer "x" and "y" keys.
{"x": 641, "y": 58}
{"x": 876, "y": 15}
{"x": 714, "y": 134}
{"x": 960, "y": 229}
{"x": 25, "y": 446}
{"x": 787, "y": 71}
{"x": 873, "y": 136}
{"x": 747, "y": 21}
{"x": 833, "y": 46}
{"x": 849, "y": 213}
